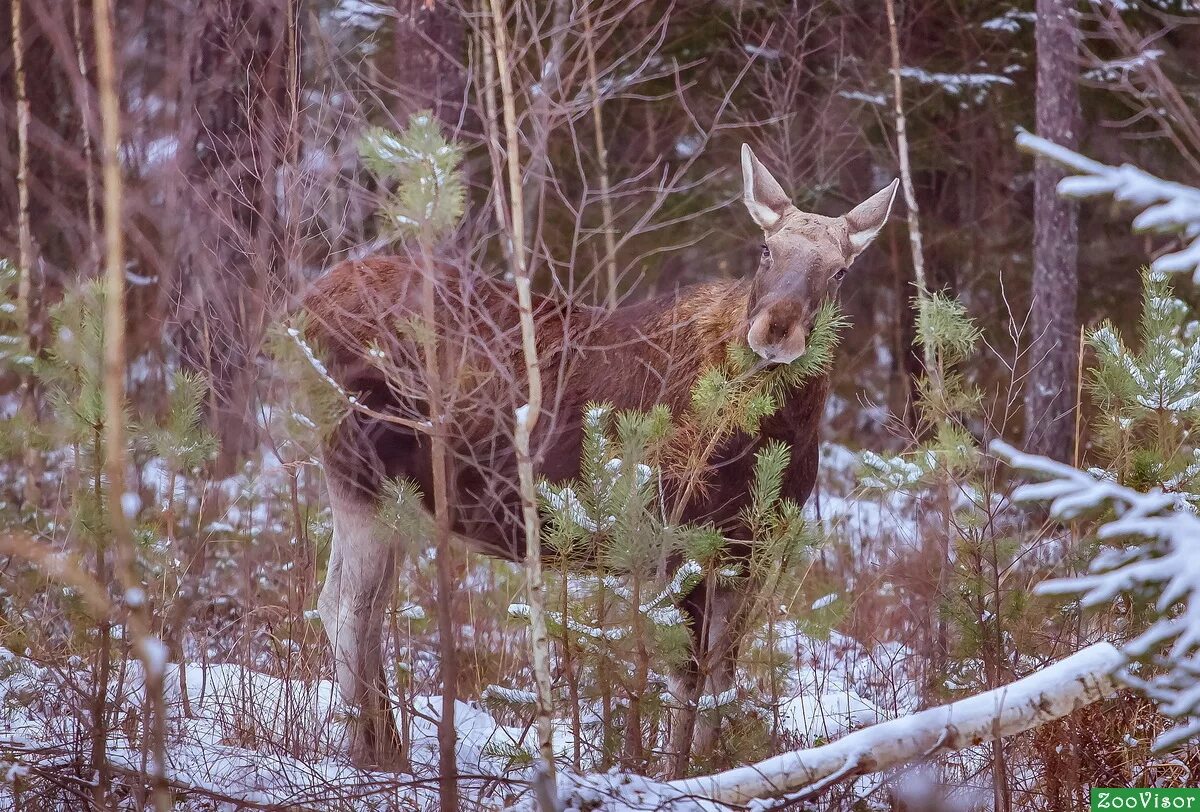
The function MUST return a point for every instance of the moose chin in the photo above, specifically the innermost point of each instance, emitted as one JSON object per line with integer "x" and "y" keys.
{"x": 363, "y": 314}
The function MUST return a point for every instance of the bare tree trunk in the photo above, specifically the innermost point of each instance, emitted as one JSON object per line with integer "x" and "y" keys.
{"x": 428, "y": 43}
{"x": 114, "y": 278}
{"x": 539, "y": 113}
{"x": 149, "y": 649}
{"x": 906, "y": 181}
{"x": 1050, "y": 396}
{"x": 527, "y": 415}
{"x": 27, "y": 312}
{"x": 610, "y": 241}
{"x": 936, "y": 545}
{"x": 447, "y": 731}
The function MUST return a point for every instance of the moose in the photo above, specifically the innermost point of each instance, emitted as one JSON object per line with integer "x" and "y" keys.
{"x": 635, "y": 356}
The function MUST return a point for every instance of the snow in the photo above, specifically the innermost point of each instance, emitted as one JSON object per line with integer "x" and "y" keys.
{"x": 877, "y": 99}
{"x": 316, "y": 363}
{"x": 1154, "y": 550}
{"x": 361, "y": 13}
{"x": 522, "y": 611}
{"x": 1166, "y": 207}
{"x": 1010, "y": 21}
{"x": 821, "y": 603}
{"x": 509, "y": 696}
{"x": 131, "y": 504}
{"x": 890, "y": 473}
{"x": 237, "y": 743}
{"x": 825, "y": 686}
{"x": 1113, "y": 70}
{"x": 1159, "y": 385}
{"x": 154, "y": 654}
{"x": 958, "y": 84}
{"x": 644, "y": 472}
{"x": 761, "y": 51}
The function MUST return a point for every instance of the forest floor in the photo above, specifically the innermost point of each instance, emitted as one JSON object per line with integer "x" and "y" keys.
{"x": 263, "y": 724}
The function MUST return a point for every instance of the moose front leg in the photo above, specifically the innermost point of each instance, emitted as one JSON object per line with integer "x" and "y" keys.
{"x": 718, "y": 613}
{"x": 358, "y": 584}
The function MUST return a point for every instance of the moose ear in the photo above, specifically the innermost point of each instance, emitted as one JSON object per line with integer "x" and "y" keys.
{"x": 867, "y": 218}
{"x": 762, "y": 194}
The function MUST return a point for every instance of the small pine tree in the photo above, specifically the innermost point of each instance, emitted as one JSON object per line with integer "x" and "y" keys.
{"x": 970, "y": 636}
{"x": 18, "y": 431}
{"x": 1149, "y": 400}
{"x": 429, "y": 192}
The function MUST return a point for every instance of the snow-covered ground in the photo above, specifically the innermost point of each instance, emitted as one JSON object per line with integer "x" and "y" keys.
{"x": 262, "y": 731}
{"x": 265, "y": 740}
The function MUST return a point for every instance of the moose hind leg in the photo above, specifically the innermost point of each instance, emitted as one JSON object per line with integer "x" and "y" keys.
{"x": 362, "y": 567}
{"x": 718, "y": 614}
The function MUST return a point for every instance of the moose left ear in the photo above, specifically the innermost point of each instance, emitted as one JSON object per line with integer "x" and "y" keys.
{"x": 867, "y": 218}
{"x": 762, "y": 194}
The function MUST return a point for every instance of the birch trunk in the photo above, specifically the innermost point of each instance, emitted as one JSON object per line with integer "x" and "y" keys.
{"x": 527, "y": 415}
{"x": 1052, "y": 693}
{"x": 936, "y": 544}
{"x": 25, "y": 308}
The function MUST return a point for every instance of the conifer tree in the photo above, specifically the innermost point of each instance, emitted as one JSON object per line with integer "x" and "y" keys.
{"x": 1149, "y": 399}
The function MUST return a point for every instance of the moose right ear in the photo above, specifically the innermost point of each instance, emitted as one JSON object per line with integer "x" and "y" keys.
{"x": 761, "y": 193}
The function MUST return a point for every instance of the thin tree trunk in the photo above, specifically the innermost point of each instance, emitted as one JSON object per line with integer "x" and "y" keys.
{"x": 906, "y": 180}
{"x": 527, "y": 415}
{"x": 610, "y": 240}
{"x": 536, "y": 170}
{"x": 149, "y": 649}
{"x": 26, "y": 311}
{"x": 936, "y": 547}
{"x": 86, "y": 131}
{"x": 447, "y": 732}
{"x": 1050, "y": 394}
{"x": 99, "y": 754}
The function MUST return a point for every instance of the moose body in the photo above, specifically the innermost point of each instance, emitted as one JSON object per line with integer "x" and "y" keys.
{"x": 631, "y": 358}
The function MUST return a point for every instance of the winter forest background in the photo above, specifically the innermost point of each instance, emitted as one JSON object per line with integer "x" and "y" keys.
{"x": 174, "y": 174}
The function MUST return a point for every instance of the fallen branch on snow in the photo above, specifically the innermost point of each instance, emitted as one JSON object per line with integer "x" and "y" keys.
{"x": 1049, "y": 694}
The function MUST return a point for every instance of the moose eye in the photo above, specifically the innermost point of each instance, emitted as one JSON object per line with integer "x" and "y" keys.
{"x": 837, "y": 277}
{"x": 766, "y": 252}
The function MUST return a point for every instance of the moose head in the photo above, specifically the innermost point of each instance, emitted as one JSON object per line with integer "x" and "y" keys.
{"x": 804, "y": 258}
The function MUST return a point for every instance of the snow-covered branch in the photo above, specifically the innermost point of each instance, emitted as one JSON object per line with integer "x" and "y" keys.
{"x": 1157, "y": 561}
{"x": 1166, "y": 207}
{"x": 1049, "y": 694}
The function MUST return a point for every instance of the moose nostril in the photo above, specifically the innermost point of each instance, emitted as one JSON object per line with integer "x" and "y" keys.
{"x": 777, "y": 330}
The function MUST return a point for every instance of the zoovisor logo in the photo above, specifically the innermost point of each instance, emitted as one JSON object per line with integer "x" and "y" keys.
{"x": 1152, "y": 799}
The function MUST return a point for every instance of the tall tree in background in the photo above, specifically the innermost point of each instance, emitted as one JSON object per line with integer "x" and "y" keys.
{"x": 230, "y": 257}
{"x": 1050, "y": 394}
{"x": 429, "y": 43}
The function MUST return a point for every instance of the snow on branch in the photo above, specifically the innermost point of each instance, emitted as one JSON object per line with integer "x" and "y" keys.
{"x": 1166, "y": 207}
{"x": 1154, "y": 555}
{"x": 1047, "y": 695}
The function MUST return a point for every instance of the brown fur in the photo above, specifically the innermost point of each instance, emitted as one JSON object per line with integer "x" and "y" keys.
{"x": 367, "y": 314}
{"x": 632, "y": 358}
